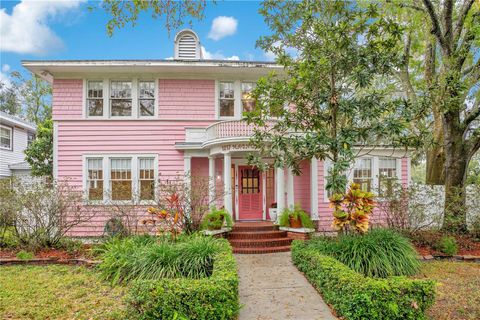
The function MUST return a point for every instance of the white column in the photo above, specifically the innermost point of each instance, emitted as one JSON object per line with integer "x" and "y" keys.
{"x": 314, "y": 188}
{"x": 211, "y": 180}
{"x": 280, "y": 189}
{"x": 187, "y": 171}
{"x": 227, "y": 182}
{"x": 290, "y": 191}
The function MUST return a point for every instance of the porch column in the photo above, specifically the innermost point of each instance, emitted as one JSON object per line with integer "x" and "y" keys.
{"x": 280, "y": 188}
{"x": 227, "y": 182}
{"x": 314, "y": 188}
{"x": 211, "y": 180}
{"x": 290, "y": 191}
{"x": 187, "y": 172}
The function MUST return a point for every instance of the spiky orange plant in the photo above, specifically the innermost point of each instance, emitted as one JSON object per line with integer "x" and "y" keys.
{"x": 352, "y": 209}
{"x": 169, "y": 219}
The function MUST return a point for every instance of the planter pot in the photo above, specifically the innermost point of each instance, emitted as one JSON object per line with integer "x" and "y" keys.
{"x": 295, "y": 223}
{"x": 272, "y": 212}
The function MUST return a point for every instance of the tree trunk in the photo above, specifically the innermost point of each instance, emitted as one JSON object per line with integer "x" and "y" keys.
{"x": 456, "y": 165}
{"x": 435, "y": 154}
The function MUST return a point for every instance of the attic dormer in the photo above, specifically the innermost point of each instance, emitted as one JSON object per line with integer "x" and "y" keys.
{"x": 187, "y": 45}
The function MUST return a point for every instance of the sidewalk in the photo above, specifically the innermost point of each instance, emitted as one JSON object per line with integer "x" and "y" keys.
{"x": 271, "y": 287}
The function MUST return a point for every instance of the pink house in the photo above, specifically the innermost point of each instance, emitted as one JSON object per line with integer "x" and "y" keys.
{"x": 129, "y": 122}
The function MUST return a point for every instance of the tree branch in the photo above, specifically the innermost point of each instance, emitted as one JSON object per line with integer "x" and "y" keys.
{"x": 406, "y": 5}
{"x": 472, "y": 115}
{"x": 473, "y": 67}
{"x": 404, "y": 74}
{"x": 436, "y": 28}
{"x": 448, "y": 24}
{"x": 467, "y": 5}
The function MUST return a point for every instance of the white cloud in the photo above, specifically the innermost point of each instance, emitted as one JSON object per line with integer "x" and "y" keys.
{"x": 5, "y": 68}
{"x": 26, "y": 29}
{"x": 207, "y": 55}
{"x": 222, "y": 27}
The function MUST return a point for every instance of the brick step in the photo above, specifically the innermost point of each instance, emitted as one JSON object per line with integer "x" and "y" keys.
{"x": 251, "y": 243}
{"x": 253, "y": 228}
{"x": 257, "y": 235}
{"x": 260, "y": 250}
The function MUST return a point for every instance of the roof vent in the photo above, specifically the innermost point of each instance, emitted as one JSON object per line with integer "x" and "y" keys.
{"x": 187, "y": 45}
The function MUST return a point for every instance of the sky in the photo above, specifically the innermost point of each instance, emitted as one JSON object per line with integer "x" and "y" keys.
{"x": 67, "y": 29}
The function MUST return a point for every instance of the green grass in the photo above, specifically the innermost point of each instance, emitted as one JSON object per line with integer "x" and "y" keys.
{"x": 57, "y": 292}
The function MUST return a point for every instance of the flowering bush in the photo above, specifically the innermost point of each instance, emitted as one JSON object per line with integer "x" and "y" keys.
{"x": 352, "y": 209}
{"x": 168, "y": 219}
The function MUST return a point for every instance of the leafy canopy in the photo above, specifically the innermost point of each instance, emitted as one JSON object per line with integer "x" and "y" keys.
{"x": 39, "y": 154}
{"x": 329, "y": 99}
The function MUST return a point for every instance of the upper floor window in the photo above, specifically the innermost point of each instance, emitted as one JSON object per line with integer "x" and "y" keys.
{"x": 95, "y": 98}
{"x": 6, "y": 137}
{"x": 362, "y": 173}
{"x": 227, "y": 99}
{"x": 30, "y": 137}
{"x": 146, "y": 98}
{"x": 121, "y": 98}
{"x": 248, "y": 103}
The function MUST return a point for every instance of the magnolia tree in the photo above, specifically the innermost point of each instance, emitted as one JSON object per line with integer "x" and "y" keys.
{"x": 327, "y": 101}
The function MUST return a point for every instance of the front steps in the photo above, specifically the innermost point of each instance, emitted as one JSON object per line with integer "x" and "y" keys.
{"x": 258, "y": 237}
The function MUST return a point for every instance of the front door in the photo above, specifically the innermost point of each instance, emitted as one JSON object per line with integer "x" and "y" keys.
{"x": 250, "y": 195}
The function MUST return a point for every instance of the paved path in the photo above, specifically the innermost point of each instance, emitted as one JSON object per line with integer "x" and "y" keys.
{"x": 271, "y": 287}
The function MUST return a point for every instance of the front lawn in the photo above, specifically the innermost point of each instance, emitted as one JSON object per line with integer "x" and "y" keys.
{"x": 56, "y": 292}
{"x": 458, "y": 289}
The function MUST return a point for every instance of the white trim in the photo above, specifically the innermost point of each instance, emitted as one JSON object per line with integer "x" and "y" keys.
{"x": 55, "y": 150}
{"x": 106, "y": 157}
{"x": 237, "y": 196}
{"x": 264, "y": 194}
{"x": 314, "y": 189}
{"x": 280, "y": 188}
{"x": 290, "y": 189}
{"x": 11, "y": 138}
{"x": 211, "y": 180}
{"x": 227, "y": 182}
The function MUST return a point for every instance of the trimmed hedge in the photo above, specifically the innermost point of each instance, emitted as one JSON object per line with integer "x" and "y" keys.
{"x": 355, "y": 296}
{"x": 214, "y": 297}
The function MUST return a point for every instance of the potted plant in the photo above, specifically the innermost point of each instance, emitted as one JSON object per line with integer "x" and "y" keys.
{"x": 215, "y": 219}
{"x": 272, "y": 212}
{"x": 295, "y": 218}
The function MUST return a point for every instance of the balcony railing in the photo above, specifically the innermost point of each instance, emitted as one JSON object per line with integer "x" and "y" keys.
{"x": 231, "y": 129}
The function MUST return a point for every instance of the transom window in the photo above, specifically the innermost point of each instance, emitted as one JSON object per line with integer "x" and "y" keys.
{"x": 227, "y": 99}
{"x": 121, "y": 98}
{"x": 362, "y": 173}
{"x": 146, "y": 98}
{"x": 95, "y": 179}
{"x": 248, "y": 103}
{"x": 95, "y": 98}
{"x": 250, "y": 179}
{"x": 6, "y": 137}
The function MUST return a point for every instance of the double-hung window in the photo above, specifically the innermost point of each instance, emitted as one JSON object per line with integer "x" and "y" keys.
{"x": 121, "y": 178}
{"x": 146, "y": 176}
{"x": 227, "y": 99}
{"x": 95, "y": 98}
{"x": 6, "y": 135}
{"x": 248, "y": 102}
{"x": 95, "y": 179}
{"x": 121, "y": 98}
{"x": 362, "y": 173}
{"x": 387, "y": 175}
{"x": 30, "y": 137}
{"x": 146, "y": 98}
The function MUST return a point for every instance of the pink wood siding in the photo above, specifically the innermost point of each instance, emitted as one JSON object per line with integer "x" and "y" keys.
{"x": 187, "y": 99}
{"x": 301, "y": 186}
{"x": 67, "y": 99}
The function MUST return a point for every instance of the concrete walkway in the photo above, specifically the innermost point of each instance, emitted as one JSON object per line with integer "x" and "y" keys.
{"x": 271, "y": 287}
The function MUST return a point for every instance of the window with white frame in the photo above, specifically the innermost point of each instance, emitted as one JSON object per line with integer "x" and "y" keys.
{"x": 387, "y": 175}
{"x": 30, "y": 137}
{"x": 248, "y": 102}
{"x": 120, "y": 98}
{"x": 6, "y": 137}
{"x": 362, "y": 173}
{"x": 146, "y": 98}
{"x": 227, "y": 99}
{"x": 146, "y": 178}
{"x": 121, "y": 179}
{"x": 95, "y": 179}
{"x": 95, "y": 98}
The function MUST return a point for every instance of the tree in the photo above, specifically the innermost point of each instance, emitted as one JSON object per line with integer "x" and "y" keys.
{"x": 8, "y": 99}
{"x": 173, "y": 12}
{"x": 449, "y": 71}
{"x": 34, "y": 95}
{"x": 335, "y": 106}
{"x": 39, "y": 154}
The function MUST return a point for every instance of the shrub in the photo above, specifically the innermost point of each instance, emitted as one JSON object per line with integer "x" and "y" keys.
{"x": 216, "y": 219}
{"x": 378, "y": 253}
{"x": 24, "y": 255}
{"x": 213, "y": 297}
{"x": 147, "y": 257}
{"x": 354, "y": 296}
{"x": 295, "y": 213}
{"x": 447, "y": 245}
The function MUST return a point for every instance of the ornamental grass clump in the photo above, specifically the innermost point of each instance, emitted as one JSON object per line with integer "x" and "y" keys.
{"x": 379, "y": 253}
{"x": 153, "y": 258}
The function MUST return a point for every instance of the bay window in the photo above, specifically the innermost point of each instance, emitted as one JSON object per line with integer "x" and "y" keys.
{"x": 6, "y": 135}
{"x": 121, "y": 98}
{"x": 227, "y": 99}
{"x": 95, "y": 98}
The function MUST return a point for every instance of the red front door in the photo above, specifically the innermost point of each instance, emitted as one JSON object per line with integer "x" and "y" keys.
{"x": 250, "y": 196}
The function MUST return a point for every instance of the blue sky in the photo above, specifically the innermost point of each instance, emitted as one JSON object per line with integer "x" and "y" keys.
{"x": 68, "y": 30}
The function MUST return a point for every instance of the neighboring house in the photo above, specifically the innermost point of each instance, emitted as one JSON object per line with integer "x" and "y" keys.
{"x": 125, "y": 123}
{"x": 15, "y": 135}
